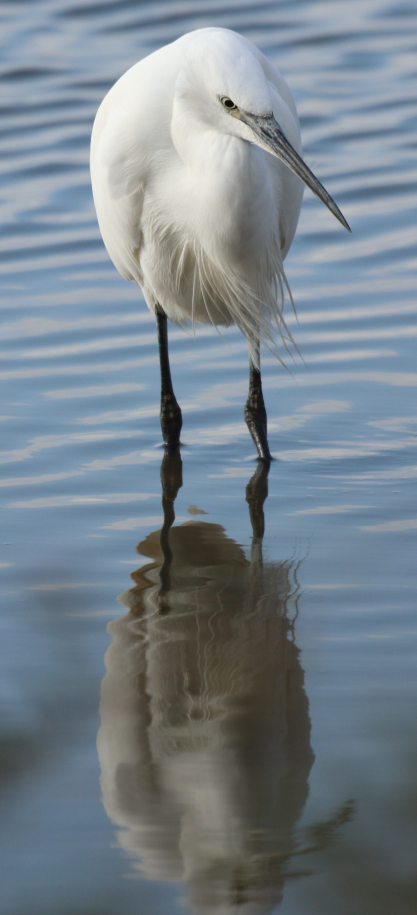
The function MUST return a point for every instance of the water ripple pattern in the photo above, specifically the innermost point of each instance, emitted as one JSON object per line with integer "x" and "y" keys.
{"x": 80, "y": 448}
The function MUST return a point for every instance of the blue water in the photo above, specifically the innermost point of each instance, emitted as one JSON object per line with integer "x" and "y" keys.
{"x": 257, "y": 748}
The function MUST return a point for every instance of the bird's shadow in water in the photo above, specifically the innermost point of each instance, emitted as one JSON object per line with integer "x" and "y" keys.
{"x": 204, "y": 742}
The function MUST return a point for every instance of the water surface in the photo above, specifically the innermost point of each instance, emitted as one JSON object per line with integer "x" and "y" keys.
{"x": 255, "y": 713}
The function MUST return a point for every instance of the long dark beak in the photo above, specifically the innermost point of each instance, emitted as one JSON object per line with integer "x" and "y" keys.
{"x": 275, "y": 142}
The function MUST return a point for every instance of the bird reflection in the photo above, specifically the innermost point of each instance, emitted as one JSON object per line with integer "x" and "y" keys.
{"x": 204, "y": 742}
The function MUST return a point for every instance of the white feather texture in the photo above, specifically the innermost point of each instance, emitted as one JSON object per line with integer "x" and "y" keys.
{"x": 190, "y": 206}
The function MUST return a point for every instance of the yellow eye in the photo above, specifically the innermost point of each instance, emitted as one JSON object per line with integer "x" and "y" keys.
{"x": 227, "y": 103}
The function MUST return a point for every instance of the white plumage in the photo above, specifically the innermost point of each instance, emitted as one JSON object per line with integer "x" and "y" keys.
{"x": 189, "y": 207}
{"x": 191, "y": 203}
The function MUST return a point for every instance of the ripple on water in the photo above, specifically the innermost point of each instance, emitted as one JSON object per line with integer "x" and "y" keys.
{"x": 80, "y": 484}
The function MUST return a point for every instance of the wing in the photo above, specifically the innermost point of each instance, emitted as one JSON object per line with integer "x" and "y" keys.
{"x": 118, "y": 177}
{"x": 131, "y": 127}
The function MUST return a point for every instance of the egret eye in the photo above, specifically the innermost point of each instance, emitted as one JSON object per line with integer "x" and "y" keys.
{"x": 227, "y": 103}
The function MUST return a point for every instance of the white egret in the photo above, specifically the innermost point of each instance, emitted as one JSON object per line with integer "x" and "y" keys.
{"x": 196, "y": 168}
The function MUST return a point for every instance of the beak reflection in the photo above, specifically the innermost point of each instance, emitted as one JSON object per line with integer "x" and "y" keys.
{"x": 204, "y": 742}
{"x": 274, "y": 141}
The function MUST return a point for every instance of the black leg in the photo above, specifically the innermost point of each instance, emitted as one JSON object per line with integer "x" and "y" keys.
{"x": 255, "y": 413}
{"x": 171, "y": 418}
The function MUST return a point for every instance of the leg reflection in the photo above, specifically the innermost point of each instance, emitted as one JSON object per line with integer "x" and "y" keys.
{"x": 256, "y": 493}
{"x": 171, "y": 480}
{"x": 204, "y": 742}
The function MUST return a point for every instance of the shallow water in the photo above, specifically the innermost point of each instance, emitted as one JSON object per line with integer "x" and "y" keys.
{"x": 257, "y": 728}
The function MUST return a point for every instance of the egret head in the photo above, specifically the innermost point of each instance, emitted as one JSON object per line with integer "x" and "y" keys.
{"x": 224, "y": 86}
